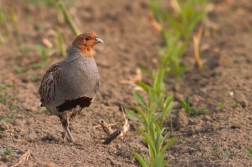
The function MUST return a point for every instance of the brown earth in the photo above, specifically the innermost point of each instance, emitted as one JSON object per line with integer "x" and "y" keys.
{"x": 223, "y": 87}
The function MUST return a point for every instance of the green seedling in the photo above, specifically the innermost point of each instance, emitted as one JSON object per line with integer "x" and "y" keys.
{"x": 215, "y": 151}
{"x": 183, "y": 142}
{"x": 14, "y": 106}
{"x": 7, "y": 153}
{"x": 249, "y": 152}
{"x": 38, "y": 65}
{"x": 220, "y": 104}
{"x": 40, "y": 26}
{"x": 184, "y": 19}
{"x": 44, "y": 52}
{"x": 236, "y": 105}
{"x": 7, "y": 119}
{"x": 152, "y": 115}
{"x": 4, "y": 98}
{"x": 3, "y": 22}
{"x": 20, "y": 70}
{"x": 48, "y": 3}
{"x": 45, "y": 111}
{"x": 19, "y": 37}
{"x": 69, "y": 19}
{"x": 172, "y": 52}
{"x": 177, "y": 30}
{"x": 153, "y": 112}
{"x": 225, "y": 91}
{"x": 33, "y": 77}
{"x": 2, "y": 41}
{"x": 230, "y": 153}
{"x": 7, "y": 99}
{"x": 191, "y": 111}
{"x": 61, "y": 46}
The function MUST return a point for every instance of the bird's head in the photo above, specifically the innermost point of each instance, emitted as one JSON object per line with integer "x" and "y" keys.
{"x": 86, "y": 42}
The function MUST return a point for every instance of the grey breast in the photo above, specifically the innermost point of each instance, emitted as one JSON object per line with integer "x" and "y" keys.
{"x": 80, "y": 77}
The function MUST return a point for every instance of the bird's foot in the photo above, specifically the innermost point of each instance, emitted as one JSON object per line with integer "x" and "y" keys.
{"x": 67, "y": 135}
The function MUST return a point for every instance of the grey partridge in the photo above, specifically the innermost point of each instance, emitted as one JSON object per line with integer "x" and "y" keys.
{"x": 71, "y": 85}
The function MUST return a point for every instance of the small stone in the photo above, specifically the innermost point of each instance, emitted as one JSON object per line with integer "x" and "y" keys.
{"x": 207, "y": 118}
{"x": 176, "y": 105}
{"x": 182, "y": 120}
{"x": 190, "y": 130}
{"x": 179, "y": 96}
{"x": 176, "y": 87}
{"x": 4, "y": 126}
{"x": 216, "y": 110}
{"x": 243, "y": 103}
{"x": 48, "y": 164}
{"x": 195, "y": 99}
{"x": 19, "y": 122}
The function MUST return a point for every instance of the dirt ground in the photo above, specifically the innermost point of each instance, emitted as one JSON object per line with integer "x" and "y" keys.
{"x": 223, "y": 87}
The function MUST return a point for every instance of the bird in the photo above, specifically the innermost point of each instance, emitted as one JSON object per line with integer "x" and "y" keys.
{"x": 71, "y": 84}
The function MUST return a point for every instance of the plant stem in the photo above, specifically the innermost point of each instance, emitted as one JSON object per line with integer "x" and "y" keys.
{"x": 68, "y": 17}
{"x": 19, "y": 37}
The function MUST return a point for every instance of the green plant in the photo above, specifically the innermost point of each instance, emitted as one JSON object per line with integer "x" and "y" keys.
{"x": 230, "y": 154}
{"x": 7, "y": 153}
{"x": 61, "y": 6}
{"x": 236, "y": 105}
{"x": 4, "y": 98}
{"x": 33, "y": 77}
{"x": 44, "y": 52}
{"x": 185, "y": 17}
{"x": 19, "y": 37}
{"x": 191, "y": 111}
{"x": 215, "y": 151}
{"x": 48, "y": 3}
{"x": 14, "y": 106}
{"x": 221, "y": 104}
{"x": 46, "y": 111}
{"x": 152, "y": 115}
{"x": 61, "y": 46}
{"x": 3, "y": 23}
{"x": 7, "y": 119}
{"x": 2, "y": 41}
{"x": 154, "y": 111}
{"x": 171, "y": 53}
{"x": 7, "y": 99}
{"x": 177, "y": 30}
{"x": 20, "y": 70}
{"x": 249, "y": 152}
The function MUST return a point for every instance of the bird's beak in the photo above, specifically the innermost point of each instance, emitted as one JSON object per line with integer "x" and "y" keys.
{"x": 98, "y": 40}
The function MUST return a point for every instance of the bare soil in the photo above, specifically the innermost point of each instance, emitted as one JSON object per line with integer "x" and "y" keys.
{"x": 223, "y": 87}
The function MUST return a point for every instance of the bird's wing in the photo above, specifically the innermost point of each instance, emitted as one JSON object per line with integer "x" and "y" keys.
{"x": 49, "y": 83}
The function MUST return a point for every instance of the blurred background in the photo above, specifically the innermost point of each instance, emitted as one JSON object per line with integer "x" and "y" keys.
{"x": 185, "y": 64}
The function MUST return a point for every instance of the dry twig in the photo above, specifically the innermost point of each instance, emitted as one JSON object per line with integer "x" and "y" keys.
{"x": 196, "y": 41}
{"x": 126, "y": 126}
{"x": 23, "y": 158}
{"x": 154, "y": 22}
{"x": 175, "y": 6}
{"x": 113, "y": 134}
{"x": 112, "y": 137}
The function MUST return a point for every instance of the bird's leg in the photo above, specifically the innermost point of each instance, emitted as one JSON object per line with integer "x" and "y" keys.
{"x": 68, "y": 134}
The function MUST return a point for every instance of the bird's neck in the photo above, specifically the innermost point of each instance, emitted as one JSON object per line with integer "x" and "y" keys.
{"x": 83, "y": 51}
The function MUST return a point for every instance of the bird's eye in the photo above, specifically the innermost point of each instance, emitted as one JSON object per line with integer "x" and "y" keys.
{"x": 87, "y": 39}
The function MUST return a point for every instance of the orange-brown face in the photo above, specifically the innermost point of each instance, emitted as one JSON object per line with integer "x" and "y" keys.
{"x": 86, "y": 42}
